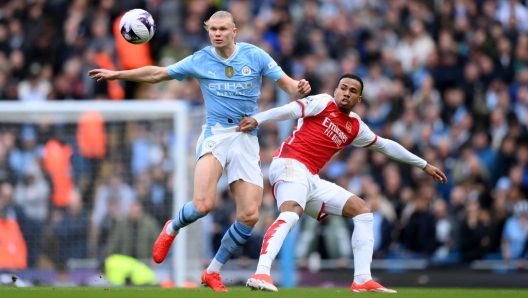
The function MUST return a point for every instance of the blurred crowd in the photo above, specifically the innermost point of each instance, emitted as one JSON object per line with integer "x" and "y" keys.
{"x": 447, "y": 79}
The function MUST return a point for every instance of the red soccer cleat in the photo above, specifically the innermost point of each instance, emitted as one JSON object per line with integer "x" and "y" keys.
{"x": 213, "y": 281}
{"x": 370, "y": 286}
{"x": 261, "y": 282}
{"x": 162, "y": 244}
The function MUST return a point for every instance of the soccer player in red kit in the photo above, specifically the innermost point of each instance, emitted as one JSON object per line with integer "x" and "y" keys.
{"x": 326, "y": 125}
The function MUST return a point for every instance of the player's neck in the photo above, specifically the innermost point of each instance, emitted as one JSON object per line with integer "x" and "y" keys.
{"x": 227, "y": 51}
{"x": 345, "y": 111}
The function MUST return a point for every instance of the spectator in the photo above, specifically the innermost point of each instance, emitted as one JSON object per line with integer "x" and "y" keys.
{"x": 382, "y": 228}
{"x": 31, "y": 151}
{"x": 56, "y": 161}
{"x": 474, "y": 232}
{"x": 329, "y": 238}
{"x": 134, "y": 235}
{"x": 446, "y": 228}
{"x": 13, "y": 249}
{"x": 6, "y": 172}
{"x": 110, "y": 221}
{"x": 515, "y": 234}
{"x": 420, "y": 235}
{"x": 32, "y": 194}
{"x": 70, "y": 229}
{"x": 114, "y": 188}
{"x": 91, "y": 139}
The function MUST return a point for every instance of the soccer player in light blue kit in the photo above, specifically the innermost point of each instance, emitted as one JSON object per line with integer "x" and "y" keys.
{"x": 230, "y": 76}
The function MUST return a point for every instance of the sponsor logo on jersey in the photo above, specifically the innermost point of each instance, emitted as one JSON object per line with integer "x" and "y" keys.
{"x": 246, "y": 71}
{"x": 229, "y": 71}
{"x": 228, "y": 89}
{"x": 333, "y": 114}
{"x": 272, "y": 64}
{"x": 334, "y": 133}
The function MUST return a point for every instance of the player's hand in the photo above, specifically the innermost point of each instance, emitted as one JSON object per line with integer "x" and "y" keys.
{"x": 435, "y": 173}
{"x": 247, "y": 124}
{"x": 304, "y": 87}
{"x": 102, "y": 74}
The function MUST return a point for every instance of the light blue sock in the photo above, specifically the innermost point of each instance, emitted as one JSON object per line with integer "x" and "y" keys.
{"x": 233, "y": 239}
{"x": 186, "y": 216}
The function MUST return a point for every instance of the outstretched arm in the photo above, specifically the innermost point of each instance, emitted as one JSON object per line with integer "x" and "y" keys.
{"x": 293, "y": 110}
{"x": 145, "y": 74}
{"x": 296, "y": 89}
{"x": 399, "y": 153}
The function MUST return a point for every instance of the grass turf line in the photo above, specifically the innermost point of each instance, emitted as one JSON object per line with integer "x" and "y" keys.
{"x": 240, "y": 292}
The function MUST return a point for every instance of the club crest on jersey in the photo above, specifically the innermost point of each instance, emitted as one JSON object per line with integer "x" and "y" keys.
{"x": 210, "y": 144}
{"x": 349, "y": 127}
{"x": 229, "y": 71}
{"x": 333, "y": 114}
{"x": 246, "y": 71}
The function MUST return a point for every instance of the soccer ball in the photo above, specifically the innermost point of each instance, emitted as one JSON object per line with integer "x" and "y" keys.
{"x": 137, "y": 26}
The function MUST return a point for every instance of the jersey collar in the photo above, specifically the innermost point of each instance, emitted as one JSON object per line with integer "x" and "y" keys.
{"x": 226, "y": 60}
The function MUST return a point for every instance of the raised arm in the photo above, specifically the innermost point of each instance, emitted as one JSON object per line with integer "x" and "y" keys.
{"x": 145, "y": 74}
{"x": 399, "y": 153}
{"x": 296, "y": 89}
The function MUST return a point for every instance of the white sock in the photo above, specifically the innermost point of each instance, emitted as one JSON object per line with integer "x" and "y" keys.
{"x": 215, "y": 266}
{"x": 273, "y": 240}
{"x": 170, "y": 230}
{"x": 363, "y": 246}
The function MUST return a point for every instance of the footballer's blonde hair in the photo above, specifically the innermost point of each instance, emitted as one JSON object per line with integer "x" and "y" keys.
{"x": 221, "y": 14}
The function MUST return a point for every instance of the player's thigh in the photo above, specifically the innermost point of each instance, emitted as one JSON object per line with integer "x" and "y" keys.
{"x": 291, "y": 175}
{"x": 243, "y": 160}
{"x": 327, "y": 199}
{"x": 290, "y": 196}
{"x": 248, "y": 198}
{"x": 215, "y": 144}
{"x": 206, "y": 175}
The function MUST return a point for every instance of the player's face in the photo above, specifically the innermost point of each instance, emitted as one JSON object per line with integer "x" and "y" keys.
{"x": 222, "y": 32}
{"x": 347, "y": 94}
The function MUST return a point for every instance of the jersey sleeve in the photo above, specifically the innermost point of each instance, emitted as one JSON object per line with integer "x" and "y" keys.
{"x": 182, "y": 69}
{"x": 313, "y": 105}
{"x": 365, "y": 137}
{"x": 268, "y": 66}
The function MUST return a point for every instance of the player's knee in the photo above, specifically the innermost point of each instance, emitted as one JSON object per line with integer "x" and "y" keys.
{"x": 365, "y": 208}
{"x": 203, "y": 206}
{"x": 354, "y": 207}
{"x": 248, "y": 217}
{"x": 291, "y": 206}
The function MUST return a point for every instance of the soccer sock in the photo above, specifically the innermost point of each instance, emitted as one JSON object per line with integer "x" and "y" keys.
{"x": 186, "y": 216}
{"x": 363, "y": 246}
{"x": 233, "y": 239}
{"x": 273, "y": 240}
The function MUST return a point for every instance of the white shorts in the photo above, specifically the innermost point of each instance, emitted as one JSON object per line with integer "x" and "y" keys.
{"x": 237, "y": 152}
{"x": 324, "y": 197}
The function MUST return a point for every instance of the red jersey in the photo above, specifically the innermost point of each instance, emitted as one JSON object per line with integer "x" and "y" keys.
{"x": 322, "y": 131}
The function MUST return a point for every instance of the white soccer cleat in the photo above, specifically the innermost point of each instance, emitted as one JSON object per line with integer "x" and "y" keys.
{"x": 261, "y": 282}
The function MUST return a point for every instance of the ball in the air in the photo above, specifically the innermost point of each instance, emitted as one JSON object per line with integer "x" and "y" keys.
{"x": 137, "y": 26}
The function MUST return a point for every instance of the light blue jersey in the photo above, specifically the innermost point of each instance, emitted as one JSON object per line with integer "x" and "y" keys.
{"x": 231, "y": 87}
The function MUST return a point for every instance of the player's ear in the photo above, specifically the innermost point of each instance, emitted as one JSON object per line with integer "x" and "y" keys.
{"x": 235, "y": 30}
{"x": 360, "y": 98}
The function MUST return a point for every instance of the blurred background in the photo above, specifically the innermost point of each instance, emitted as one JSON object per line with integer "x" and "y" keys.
{"x": 447, "y": 79}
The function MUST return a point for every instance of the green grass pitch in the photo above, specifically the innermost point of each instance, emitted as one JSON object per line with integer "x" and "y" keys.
{"x": 239, "y": 292}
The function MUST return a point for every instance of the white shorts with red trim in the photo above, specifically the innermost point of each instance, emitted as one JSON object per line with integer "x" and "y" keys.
{"x": 324, "y": 197}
